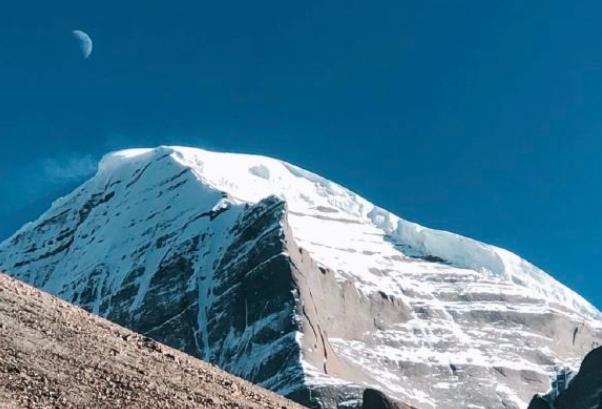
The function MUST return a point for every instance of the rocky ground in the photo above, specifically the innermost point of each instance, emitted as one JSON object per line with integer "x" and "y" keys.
{"x": 55, "y": 355}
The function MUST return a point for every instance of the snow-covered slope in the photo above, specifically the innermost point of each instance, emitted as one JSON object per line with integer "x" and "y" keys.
{"x": 294, "y": 282}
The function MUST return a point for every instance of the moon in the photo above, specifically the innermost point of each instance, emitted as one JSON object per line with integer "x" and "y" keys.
{"x": 85, "y": 42}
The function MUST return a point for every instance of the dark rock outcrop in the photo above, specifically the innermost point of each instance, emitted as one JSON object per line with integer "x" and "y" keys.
{"x": 539, "y": 402}
{"x": 584, "y": 391}
{"x": 373, "y": 399}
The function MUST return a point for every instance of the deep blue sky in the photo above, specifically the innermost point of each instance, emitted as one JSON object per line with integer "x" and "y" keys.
{"x": 479, "y": 117}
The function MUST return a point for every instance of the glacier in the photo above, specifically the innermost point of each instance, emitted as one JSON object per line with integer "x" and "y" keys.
{"x": 292, "y": 281}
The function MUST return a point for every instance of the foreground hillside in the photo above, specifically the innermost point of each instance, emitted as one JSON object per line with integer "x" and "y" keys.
{"x": 55, "y": 355}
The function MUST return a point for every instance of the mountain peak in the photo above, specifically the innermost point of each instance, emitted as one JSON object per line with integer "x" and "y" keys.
{"x": 250, "y": 178}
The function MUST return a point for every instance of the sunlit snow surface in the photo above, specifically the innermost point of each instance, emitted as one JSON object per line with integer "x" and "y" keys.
{"x": 352, "y": 235}
{"x": 450, "y": 282}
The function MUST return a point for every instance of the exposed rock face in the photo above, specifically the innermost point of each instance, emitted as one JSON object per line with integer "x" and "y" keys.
{"x": 583, "y": 392}
{"x": 297, "y": 284}
{"x": 539, "y": 402}
{"x": 373, "y": 399}
{"x": 55, "y": 355}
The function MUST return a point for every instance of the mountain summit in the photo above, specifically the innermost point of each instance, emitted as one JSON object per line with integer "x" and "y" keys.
{"x": 291, "y": 281}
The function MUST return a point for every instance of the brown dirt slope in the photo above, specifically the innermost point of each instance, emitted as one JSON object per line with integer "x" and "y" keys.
{"x": 55, "y": 355}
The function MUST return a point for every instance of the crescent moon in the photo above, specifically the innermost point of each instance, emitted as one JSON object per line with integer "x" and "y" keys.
{"x": 85, "y": 42}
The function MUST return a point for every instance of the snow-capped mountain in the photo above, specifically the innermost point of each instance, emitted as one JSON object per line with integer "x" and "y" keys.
{"x": 294, "y": 282}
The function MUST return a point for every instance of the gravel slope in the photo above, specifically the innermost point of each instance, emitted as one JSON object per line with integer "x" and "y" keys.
{"x": 55, "y": 355}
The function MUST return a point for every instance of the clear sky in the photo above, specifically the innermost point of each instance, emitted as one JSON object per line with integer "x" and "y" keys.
{"x": 479, "y": 117}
